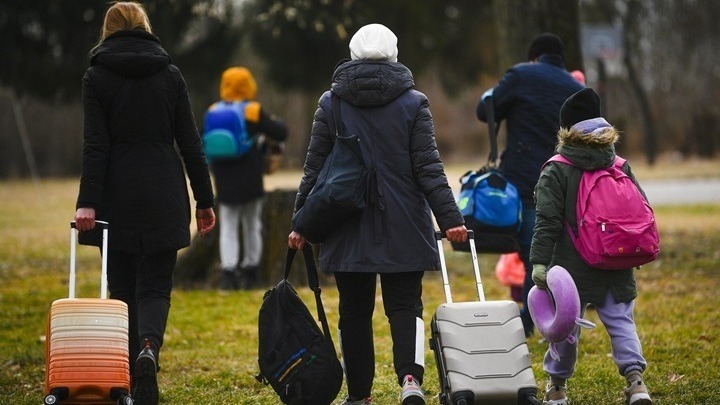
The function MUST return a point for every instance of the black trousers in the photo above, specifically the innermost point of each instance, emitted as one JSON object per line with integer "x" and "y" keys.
{"x": 402, "y": 300}
{"x": 144, "y": 282}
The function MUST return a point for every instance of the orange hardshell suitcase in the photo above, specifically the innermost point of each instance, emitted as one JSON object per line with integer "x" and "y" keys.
{"x": 86, "y": 346}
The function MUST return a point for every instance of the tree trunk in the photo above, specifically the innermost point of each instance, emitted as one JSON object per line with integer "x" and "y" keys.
{"x": 199, "y": 265}
{"x": 629, "y": 21}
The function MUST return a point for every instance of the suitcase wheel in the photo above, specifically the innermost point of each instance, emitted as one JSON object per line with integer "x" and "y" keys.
{"x": 125, "y": 401}
{"x": 121, "y": 395}
{"x": 51, "y": 399}
{"x": 463, "y": 398}
{"x": 56, "y": 395}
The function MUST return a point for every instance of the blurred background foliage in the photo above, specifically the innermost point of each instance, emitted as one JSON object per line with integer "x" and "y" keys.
{"x": 655, "y": 63}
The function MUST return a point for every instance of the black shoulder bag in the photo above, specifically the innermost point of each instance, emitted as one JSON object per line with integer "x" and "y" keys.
{"x": 295, "y": 356}
{"x": 340, "y": 192}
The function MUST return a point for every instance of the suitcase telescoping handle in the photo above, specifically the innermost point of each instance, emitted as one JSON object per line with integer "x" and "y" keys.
{"x": 446, "y": 283}
{"x": 73, "y": 242}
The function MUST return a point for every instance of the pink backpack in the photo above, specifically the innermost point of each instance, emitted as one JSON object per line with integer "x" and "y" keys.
{"x": 616, "y": 226}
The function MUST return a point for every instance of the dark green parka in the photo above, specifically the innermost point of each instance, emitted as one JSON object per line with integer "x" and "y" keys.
{"x": 556, "y": 195}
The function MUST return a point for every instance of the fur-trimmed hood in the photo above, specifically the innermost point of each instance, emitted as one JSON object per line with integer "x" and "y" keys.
{"x": 574, "y": 137}
{"x": 588, "y": 151}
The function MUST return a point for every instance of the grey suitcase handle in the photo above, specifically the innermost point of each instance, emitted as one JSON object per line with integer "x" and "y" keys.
{"x": 443, "y": 267}
{"x": 103, "y": 253}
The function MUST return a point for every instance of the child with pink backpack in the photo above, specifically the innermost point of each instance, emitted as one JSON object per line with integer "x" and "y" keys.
{"x": 594, "y": 220}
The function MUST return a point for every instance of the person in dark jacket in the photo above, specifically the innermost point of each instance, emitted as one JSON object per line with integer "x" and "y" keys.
{"x": 136, "y": 111}
{"x": 239, "y": 182}
{"x": 395, "y": 237}
{"x": 586, "y": 140}
{"x": 529, "y": 97}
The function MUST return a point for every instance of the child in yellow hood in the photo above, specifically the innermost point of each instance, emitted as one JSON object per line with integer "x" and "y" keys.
{"x": 239, "y": 182}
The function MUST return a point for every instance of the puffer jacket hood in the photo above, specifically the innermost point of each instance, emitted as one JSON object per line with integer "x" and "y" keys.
{"x": 133, "y": 53}
{"x": 367, "y": 83}
{"x": 588, "y": 151}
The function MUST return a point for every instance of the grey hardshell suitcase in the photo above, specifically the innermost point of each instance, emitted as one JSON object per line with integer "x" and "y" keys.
{"x": 480, "y": 349}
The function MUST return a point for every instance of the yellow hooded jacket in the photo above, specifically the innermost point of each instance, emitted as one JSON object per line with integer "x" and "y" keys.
{"x": 238, "y": 84}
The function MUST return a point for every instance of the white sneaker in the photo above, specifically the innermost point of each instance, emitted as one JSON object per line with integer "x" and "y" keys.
{"x": 555, "y": 395}
{"x": 411, "y": 393}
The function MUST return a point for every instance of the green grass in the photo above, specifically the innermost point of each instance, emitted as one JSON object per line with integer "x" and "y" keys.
{"x": 211, "y": 344}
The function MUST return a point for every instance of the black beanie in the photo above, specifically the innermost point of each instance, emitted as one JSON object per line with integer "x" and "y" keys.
{"x": 545, "y": 43}
{"x": 581, "y": 106}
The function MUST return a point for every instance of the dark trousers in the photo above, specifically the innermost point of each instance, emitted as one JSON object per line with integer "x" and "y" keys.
{"x": 401, "y": 293}
{"x": 144, "y": 282}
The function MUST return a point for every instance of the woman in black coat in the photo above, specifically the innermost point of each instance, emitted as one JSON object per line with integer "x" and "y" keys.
{"x": 395, "y": 237}
{"x": 136, "y": 111}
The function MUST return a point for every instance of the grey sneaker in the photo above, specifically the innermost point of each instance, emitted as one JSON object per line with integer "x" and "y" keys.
{"x": 555, "y": 395}
{"x": 636, "y": 393}
{"x": 411, "y": 393}
{"x": 348, "y": 401}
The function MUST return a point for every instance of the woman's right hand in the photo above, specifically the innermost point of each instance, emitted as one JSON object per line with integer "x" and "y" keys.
{"x": 85, "y": 219}
{"x": 205, "y": 220}
{"x": 296, "y": 241}
{"x": 457, "y": 234}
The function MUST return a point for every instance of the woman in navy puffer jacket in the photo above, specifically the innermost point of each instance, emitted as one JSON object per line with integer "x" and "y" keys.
{"x": 394, "y": 238}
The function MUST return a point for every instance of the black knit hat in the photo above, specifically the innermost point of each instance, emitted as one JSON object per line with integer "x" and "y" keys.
{"x": 581, "y": 106}
{"x": 545, "y": 43}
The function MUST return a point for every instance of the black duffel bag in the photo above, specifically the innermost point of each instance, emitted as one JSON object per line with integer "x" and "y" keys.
{"x": 295, "y": 356}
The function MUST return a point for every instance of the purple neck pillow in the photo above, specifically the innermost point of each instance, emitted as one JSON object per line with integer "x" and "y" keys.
{"x": 556, "y": 311}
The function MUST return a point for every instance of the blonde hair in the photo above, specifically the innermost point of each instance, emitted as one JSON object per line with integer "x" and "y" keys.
{"x": 124, "y": 15}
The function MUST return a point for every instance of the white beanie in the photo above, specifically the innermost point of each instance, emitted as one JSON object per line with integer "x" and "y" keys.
{"x": 374, "y": 42}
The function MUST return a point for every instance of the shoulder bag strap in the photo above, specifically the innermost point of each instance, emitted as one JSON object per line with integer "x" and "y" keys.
{"x": 336, "y": 114}
{"x": 492, "y": 130}
{"x": 313, "y": 283}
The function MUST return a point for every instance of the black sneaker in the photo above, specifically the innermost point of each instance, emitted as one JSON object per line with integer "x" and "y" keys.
{"x": 249, "y": 277}
{"x": 146, "y": 387}
{"x": 228, "y": 282}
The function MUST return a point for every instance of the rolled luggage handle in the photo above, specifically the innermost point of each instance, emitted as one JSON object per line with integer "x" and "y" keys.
{"x": 103, "y": 253}
{"x": 103, "y": 224}
{"x": 442, "y": 235}
{"x": 443, "y": 267}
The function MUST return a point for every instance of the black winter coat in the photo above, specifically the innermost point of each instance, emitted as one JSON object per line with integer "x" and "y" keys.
{"x": 137, "y": 110}
{"x": 529, "y": 98}
{"x": 397, "y": 139}
{"x": 241, "y": 180}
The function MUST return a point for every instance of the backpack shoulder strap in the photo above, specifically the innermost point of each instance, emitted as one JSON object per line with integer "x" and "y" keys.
{"x": 557, "y": 158}
{"x": 313, "y": 283}
{"x": 619, "y": 162}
